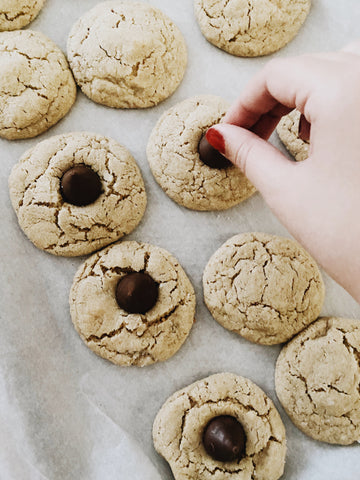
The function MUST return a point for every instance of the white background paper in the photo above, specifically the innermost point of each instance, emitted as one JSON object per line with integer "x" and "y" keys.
{"x": 63, "y": 410}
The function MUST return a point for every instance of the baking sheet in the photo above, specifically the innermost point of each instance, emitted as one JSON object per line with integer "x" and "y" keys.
{"x": 66, "y": 413}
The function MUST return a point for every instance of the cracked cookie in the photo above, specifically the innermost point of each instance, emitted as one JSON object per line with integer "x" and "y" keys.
{"x": 36, "y": 86}
{"x": 132, "y": 304}
{"x": 317, "y": 380}
{"x": 175, "y": 161}
{"x": 263, "y": 287}
{"x": 236, "y": 411}
{"x": 15, "y": 14}
{"x": 250, "y": 28}
{"x": 288, "y": 130}
{"x": 76, "y": 193}
{"x": 127, "y": 54}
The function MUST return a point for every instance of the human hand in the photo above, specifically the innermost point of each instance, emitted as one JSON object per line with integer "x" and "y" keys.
{"x": 318, "y": 200}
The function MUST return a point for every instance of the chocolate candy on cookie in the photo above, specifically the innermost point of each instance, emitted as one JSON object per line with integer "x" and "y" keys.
{"x": 80, "y": 185}
{"x": 224, "y": 439}
{"x": 137, "y": 292}
{"x": 210, "y": 156}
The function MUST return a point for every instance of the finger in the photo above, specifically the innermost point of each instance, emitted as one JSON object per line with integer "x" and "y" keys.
{"x": 267, "y": 123}
{"x": 288, "y": 82}
{"x": 265, "y": 166}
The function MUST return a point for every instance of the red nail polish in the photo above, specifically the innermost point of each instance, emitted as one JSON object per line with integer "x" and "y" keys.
{"x": 216, "y": 140}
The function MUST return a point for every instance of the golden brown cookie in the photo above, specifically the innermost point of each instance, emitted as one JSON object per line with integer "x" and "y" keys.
{"x": 318, "y": 377}
{"x": 174, "y": 158}
{"x": 179, "y": 430}
{"x": 76, "y": 193}
{"x": 16, "y": 14}
{"x": 250, "y": 28}
{"x": 127, "y": 54}
{"x": 37, "y": 88}
{"x": 132, "y": 304}
{"x": 263, "y": 287}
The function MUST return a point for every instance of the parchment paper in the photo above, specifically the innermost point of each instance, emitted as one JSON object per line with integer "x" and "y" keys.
{"x": 66, "y": 413}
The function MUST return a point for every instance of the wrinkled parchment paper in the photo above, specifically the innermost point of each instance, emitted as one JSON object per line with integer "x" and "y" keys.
{"x": 66, "y": 413}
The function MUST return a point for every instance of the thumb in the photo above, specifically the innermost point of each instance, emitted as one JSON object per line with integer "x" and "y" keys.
{"x": 263, "y": 164}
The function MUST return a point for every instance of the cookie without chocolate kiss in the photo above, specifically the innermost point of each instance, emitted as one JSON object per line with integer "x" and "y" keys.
{"x": 174, "y": 158}
{"x": 118, "y": 333}
{"x": 252, "y": 28}
{"x": 64, "y": 220}
{"x": 127, "y": 54}
{"x": 179, "y": 426}
{"x": 288, "y": 131}
{"x": 36, "y": 84}
{"x": 15, "y": 14}
{"x": 317, "y": 380}
{"x": 263, "y": 287}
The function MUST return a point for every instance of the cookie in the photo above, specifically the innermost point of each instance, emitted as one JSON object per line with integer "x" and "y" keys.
{"x": 194, "y": 181}
{"x": 288, "y": 131}
{"x": 127, "y": 54}
{"x": 15, "y": 14}
{"x": 132, "y": 304}
{"x": 250, "y": 28}
{"x": 317, "y": 380}
{"x": 36, "y": 86}
{"x": 263, "y": 287}
{"x": 203, "y": 420}
{"x": 76, "y": 193}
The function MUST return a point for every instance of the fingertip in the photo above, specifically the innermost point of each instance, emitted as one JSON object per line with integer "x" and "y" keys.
{"x": 216, "y": 139}
{"x": 259, "y": 160}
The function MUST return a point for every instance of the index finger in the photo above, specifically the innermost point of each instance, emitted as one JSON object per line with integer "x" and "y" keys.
{"x": 286, "y": 82}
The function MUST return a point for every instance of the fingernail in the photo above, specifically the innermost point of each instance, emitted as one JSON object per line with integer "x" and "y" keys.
{"x": 304, "y": 129}
{"x": 216, "y": 140}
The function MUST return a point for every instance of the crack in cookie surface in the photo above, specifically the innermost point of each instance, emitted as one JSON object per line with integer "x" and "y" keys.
{"x": 65, "y": 229}
{"x": 113, "y": 333}
{"x": 15, "y": 14}
{"x": 178, "y": 428}
{"x": 250, "y": 27}
{"x": 318, "y": 380}
{"x": 127, "y": 55}
{"x": 263, "y": 287}
{"x": 36, "y": 86}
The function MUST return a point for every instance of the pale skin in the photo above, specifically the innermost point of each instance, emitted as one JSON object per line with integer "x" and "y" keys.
{"x": 318, "y": 200}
